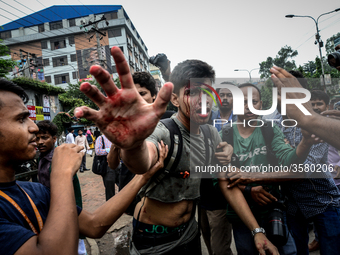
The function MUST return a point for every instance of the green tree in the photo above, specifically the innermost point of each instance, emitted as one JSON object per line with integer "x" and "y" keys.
{"x": 73, "y": 98}
{"x": 330, "y": 43}
{"x": 282, "y": 59}
{"x": 6, "y": 65}
{"x": 267, "y": 94}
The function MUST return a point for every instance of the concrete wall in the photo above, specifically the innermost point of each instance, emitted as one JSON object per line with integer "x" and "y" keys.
{"x": 55, "y": 106}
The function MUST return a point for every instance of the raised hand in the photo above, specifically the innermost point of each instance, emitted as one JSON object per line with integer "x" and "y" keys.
{"x": 66, "y": 159}
{"x": 283, "y": 79}
{"x": 124, "y": 116}
{"x": 264, "y": 246}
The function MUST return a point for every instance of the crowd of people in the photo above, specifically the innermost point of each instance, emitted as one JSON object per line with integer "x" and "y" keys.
{"x": 156, "y": 152}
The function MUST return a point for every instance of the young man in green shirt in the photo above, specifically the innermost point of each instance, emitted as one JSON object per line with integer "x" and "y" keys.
{"x": 251, "y": 150}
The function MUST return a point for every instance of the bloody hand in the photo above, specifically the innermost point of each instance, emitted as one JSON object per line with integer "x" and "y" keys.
{"x": 124, "y": 116}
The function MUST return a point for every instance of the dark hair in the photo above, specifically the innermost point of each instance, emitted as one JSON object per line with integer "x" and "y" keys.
{"x": 145, "y": 80}
{"x": 225, "y": 82}
{"x": 70, "y": 130}
{"x": 6, "y": 85}
{"x": 302, "y": 80}
{"x": 319, "y": 94}
{"x": 47, "y": 126}
{"x": 250, "y": 85}
{"x": 188, "y": 69}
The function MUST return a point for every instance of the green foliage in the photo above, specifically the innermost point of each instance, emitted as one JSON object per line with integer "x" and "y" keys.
{"x": 281, "y": 60}
{"x": 43, "y": 87}
{"x": 62, "y": 120}
{"x": 6, "y": 65}
{"x": 267, "y": 94}
{"x": 73, "y": 98}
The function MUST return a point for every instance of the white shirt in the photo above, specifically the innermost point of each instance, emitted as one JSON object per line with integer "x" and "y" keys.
{"x": 70, "y": 138}
{"x": 82, "y": 141}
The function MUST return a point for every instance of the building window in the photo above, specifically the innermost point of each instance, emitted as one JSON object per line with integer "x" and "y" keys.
{"x": 56, "y": 25}
{"x": 111, "y": 15}
{"x": 59, "y": 44}
{"x": 60, "y": 61}
{"x": 5, "y": 35}
{"x": 72, "y": 22}
{"x": 46, "y": 62}
{"x": 115, "y": 32}
{"x": 73, "y": 58}
{"x": 41, "y": 28}
{"x": 44, "y": 44}
{"x": 121, "y": 48}
{"x": 74, "y": 75}
{"x": 71, "y": 40}
{"x": 48, "y": 79}
{"x": 61, "y": 78}
{"x": 114, "y": 69}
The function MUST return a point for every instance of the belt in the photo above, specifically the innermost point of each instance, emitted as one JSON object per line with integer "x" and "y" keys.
{"x": 159, "y": 234}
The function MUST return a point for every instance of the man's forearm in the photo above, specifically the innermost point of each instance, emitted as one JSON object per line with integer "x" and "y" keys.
{"x": 62, "y": 220}
{"x": 140, "y": 159}
{"x": 96, "y": 224}
{"x": 113, "y": 157}
{"x": 237, "y": 201}
{"x": 325, "y": 128}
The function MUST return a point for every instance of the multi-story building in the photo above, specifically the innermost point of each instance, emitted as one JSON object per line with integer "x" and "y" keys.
{"x": 60, "y": 43}
{"x": 157, "y": 75}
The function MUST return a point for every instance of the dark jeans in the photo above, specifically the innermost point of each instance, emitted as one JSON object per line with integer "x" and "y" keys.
{"x": 83, "y": 162}
{"x": 191, "y": 248}
{"x": 109, "y": 183}
{"x": 327, "y": 225}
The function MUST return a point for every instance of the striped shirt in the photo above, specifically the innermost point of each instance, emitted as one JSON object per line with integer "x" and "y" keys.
{"x": 311, "y": 196}
{"x": 99, "y": 145}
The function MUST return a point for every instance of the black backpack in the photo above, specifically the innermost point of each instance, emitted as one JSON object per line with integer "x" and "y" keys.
{"x": 89, "y": 139}
{"x": 267, "y": 133}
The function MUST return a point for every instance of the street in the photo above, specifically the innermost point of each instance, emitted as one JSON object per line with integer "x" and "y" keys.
{"x": 116, "y": 240}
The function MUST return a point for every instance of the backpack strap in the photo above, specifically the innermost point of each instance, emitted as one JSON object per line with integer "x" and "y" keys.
{"x": 209, "y": 150}
{"x": 103, "y": 143}
{"x": 175, "y": 151}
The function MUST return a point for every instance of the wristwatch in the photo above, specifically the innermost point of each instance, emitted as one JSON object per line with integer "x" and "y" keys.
{"x": 258, "y": 230}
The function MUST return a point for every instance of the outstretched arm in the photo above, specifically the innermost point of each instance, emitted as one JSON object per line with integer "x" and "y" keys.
{"x": 124, "y": 116}
{"x": 237, "y": 201}
{"x": 96, "y": 224}
{"x": 325, "y": 128}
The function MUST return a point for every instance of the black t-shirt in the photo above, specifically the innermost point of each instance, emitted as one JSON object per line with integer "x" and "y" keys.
{"x": 96, "y": 134}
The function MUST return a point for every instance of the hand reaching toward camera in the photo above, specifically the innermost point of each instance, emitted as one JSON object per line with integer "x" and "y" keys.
{"x": 123, "y": 116}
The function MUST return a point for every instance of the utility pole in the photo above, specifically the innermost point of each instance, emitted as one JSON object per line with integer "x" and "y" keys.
{"x": 99, "y": 49}
{"x": 99, "y": 36}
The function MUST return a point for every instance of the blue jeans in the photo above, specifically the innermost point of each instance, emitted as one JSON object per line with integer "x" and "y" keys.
{"x": 245, "y": 245}
{"x": 327, "y": 225}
